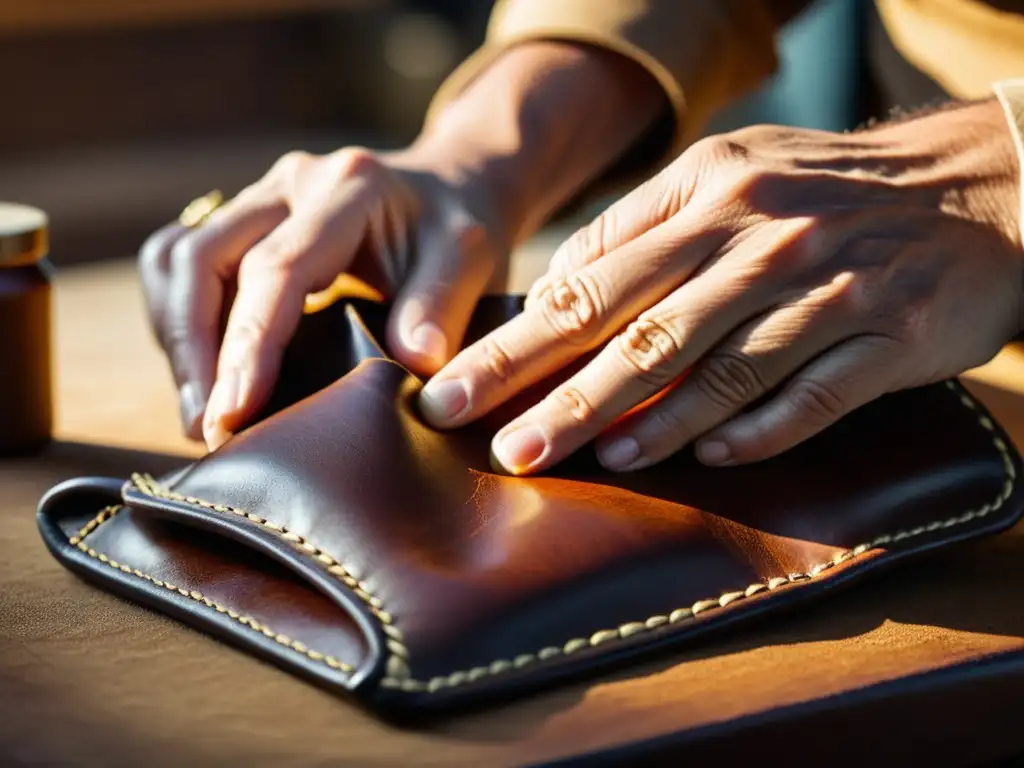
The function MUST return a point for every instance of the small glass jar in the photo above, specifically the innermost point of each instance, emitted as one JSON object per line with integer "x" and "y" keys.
{"x": 26, "y": 320}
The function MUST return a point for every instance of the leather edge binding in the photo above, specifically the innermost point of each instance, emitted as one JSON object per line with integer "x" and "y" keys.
{"x": 221, "y": 621}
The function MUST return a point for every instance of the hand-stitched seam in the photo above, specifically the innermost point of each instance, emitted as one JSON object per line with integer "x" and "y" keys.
{"x": 247, "y": 621}
{"x": 398, "y": 675}
{"x": 396, "y": 664}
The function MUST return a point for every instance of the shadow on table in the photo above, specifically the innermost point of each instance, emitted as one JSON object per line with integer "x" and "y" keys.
{"x": 79, "y": 459}
{"x": 975, "y": 587}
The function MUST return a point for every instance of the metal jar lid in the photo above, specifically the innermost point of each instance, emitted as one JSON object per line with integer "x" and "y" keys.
{"x": 24, "y": 235}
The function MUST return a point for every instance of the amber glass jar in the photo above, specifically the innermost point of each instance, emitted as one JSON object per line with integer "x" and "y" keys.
{"x": 26, "y": 319}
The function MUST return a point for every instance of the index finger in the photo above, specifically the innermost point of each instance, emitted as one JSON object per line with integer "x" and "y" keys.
{"x": 267, "y": 308}
{"x": 570, "y": 318}
{"x": 200, "y": 263}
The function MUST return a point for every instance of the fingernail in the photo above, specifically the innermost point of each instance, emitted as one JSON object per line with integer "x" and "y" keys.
{"x": 224, "y": 399}
{"x": 520, "y": 449}
{"x": 191, "y": 403}
{"x": 714, "y": 452}
{"x": 428, "y": 340}
{"x": 620, "y": 453}
{"x": 444, "y": 400}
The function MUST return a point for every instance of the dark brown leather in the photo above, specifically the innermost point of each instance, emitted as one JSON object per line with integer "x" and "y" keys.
{"x": 344, "y": 540}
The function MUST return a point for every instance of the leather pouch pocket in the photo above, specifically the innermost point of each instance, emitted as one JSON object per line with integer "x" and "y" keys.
{"x": 342, "y": 539}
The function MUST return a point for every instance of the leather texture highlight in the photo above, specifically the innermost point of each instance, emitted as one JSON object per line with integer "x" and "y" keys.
{"x": 344, "y": 540}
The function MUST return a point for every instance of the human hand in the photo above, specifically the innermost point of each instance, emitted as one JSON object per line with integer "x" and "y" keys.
{"x": 764, "y": 285}
{"x": 225, "y": 298}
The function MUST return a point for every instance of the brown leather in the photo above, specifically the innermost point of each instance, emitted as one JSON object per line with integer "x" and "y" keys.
{"x": 370, "y": 553}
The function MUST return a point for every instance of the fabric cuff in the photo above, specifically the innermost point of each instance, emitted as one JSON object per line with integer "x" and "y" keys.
{"x": 1011, "y": 95}
{"x": 702, "y": 58}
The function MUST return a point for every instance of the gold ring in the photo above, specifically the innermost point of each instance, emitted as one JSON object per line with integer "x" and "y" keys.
{"x": 199, "y": 210}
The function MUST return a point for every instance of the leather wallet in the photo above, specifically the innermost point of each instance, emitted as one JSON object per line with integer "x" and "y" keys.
{"x": 342, "y": 539}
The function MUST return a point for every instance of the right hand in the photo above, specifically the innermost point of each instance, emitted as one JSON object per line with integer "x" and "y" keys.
{"x": 225, "y": 298}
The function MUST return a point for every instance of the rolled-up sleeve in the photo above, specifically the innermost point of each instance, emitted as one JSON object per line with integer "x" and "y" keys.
{"x": 1011, "y": 95}
{"x": 703, "y": 53}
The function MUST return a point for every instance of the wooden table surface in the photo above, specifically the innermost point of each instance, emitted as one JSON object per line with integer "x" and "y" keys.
{"x": 115, "y": 398}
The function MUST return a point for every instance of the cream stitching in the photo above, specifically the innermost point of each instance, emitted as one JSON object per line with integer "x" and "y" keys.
{"x": 396, "y": 665}
{"x": 398, "y": 675}
{"x": 109, "y": 512}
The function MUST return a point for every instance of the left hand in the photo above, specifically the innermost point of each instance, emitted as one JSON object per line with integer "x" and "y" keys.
{"x": 761, "y": 287}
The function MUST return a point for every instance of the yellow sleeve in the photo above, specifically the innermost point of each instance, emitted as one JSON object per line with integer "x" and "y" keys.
{"x": 1011, "y": 95}
{"x": 704, "y": 53}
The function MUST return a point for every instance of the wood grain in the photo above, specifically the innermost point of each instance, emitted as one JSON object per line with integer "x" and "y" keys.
{"x": 114, "y": 387}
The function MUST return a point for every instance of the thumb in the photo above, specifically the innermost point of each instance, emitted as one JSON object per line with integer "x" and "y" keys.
{"x": 454, "y": 262}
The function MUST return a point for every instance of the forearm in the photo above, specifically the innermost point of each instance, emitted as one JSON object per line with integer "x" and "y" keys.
{"x": 537, "y": 125}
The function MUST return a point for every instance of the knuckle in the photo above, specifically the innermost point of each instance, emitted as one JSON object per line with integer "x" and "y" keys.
{"x": 796, "y": 245}
{"x": 751, "y": 183}
{"x": 848, "y": 293}
{"x": 784, "y": 254}
{"x": 252, "y": 195}
{"x": 912, "y": 324}
{"x": 268, "y": 256}
{"x": 470, "y": 236}
{"x": 805, "y": 242}
{"x": 291, "y": 164}
{"x": 723, "y": 148}
{"x": 586, "y": 244}
{"x": 279, "y": 252}
{"x": 242, "y": 341}
{"x": 599, "y": 237}
{"x": 575, "y": 404}
{"x": 816, "y": 400}
{"x": 573, "y": 308}
{"x": 176, "y": 333}
{"x": 665, "y": 197}
{"x": 729, "y": 379}
{"x": 750, "y": 135}
{"x": 154, "y": 256}
{"x": 649, "y": 347}
{"x": 354, "y": 161}
{"x": 764, "y": 269}
{"x": 730, "y": 171}
{"x": 497, "y": 362}
{"x": 246, "y": 333}
{"x": 270, "y": 277}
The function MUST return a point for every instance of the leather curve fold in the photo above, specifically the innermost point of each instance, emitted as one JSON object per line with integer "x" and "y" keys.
{"x": 77, "y": 552}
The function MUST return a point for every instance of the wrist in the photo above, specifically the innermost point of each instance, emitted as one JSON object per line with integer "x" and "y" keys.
{"x": 464, "y": 169}
{"x": 984, "y": 174}
{"x": 968, "y": 155}
{"x": 535, "y": 127}
{"x": 993, "y": 146}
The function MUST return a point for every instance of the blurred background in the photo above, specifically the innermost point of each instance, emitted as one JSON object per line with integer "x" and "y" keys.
{"x": 118, "y": 112}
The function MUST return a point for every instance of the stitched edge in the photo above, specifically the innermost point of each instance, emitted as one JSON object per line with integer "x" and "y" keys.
{"x": 109, "y": 512}
{"x": 398, "y": 676}
{"x": 396, "y": 665}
